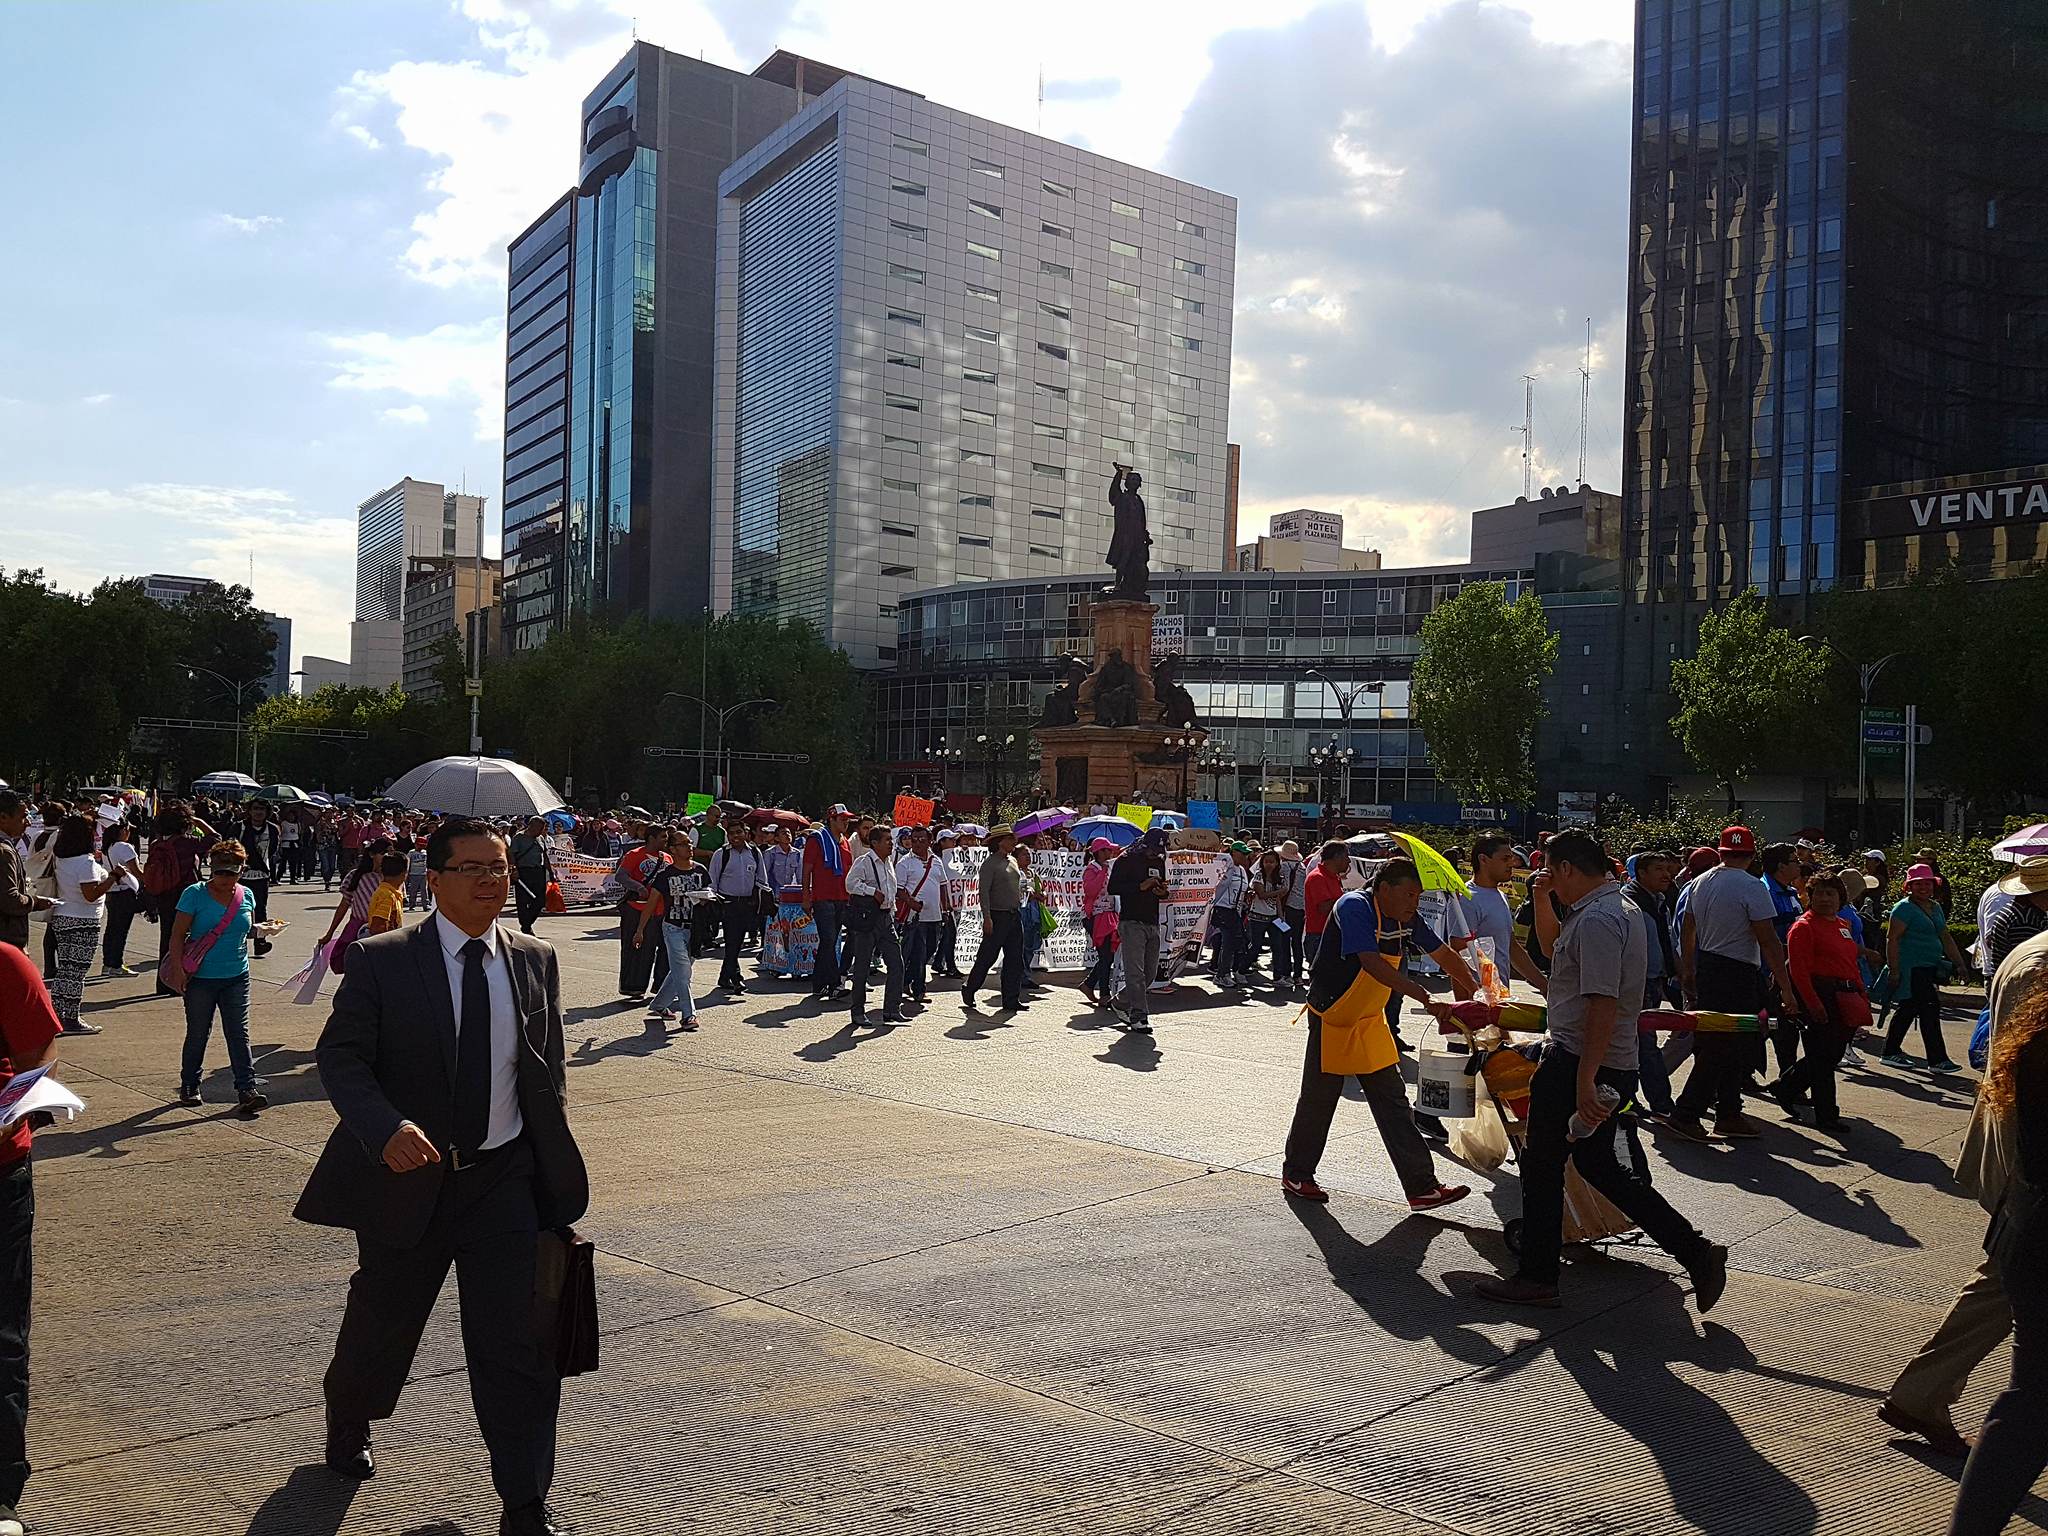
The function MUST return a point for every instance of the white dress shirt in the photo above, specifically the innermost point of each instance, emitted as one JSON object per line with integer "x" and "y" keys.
{"x": 505, "y": 1122}
{"x": 910, "y": 870}
{"x": 870, "y": 875}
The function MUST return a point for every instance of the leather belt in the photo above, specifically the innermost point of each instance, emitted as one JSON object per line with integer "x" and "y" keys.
{"x": 462, "y": 1161}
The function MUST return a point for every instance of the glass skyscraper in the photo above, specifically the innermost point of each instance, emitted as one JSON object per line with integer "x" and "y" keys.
{"x": 1837, "y": 254}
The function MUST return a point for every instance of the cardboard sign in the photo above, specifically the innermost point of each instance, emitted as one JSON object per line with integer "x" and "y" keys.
{"x": 698, "y": 803}
{"x": 1206, "y": 814}
{"x": 1139, "y": 816}
{"x": 912, "y": 812}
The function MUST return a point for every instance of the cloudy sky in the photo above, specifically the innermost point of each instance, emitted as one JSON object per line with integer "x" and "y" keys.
{"x": 257, "y": 272}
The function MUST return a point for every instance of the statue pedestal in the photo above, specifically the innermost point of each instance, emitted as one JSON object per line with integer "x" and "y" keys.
{"x": 1091, "y": 763}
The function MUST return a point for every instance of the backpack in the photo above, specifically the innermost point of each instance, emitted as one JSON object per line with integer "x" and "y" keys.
{"x": 160, "y": 871}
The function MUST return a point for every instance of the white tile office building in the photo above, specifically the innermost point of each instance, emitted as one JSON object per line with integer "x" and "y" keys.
{"x": 935, "y": 333}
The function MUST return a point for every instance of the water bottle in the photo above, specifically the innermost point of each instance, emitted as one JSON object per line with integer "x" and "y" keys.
{"x": 1608, "y": 1098}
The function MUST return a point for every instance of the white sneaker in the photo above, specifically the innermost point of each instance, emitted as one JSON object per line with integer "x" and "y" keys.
{"x": 10, "y": 1524}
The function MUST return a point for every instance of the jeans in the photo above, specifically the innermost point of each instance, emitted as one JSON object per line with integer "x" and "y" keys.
{"x": 1720, "y": 1062}
{"x": 1385, "y": 1094}
{"x": 1140, "y": 943}
{"x": 1826, "y": 1039}
{"x": 920, "y": 943}
{"x": 330, "y": 863}
{"x": 1654, "y": 1078}
{"x": 1099, "y": 972}
{"x": 1553, "y": 1099}
{"x": 1252, "y": 941}
{"x": 1288, "y": 953}
{"x": 825, "y": 975}
{"x": 122, "y": 906}
{"x": 230, "y": 995}
{"x": 674, "y": 991}
{"x": 1005, "y": 938}
{"x": 944, "y": 962}
{"x": 1923, "y": 1002}
{"x": 1226, "y": 932}
{"x": 17, "y": 1233}
{"x": 877, "y": 940}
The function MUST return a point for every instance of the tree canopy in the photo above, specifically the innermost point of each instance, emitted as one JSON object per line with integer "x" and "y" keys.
{"x": 1750, "y": 696}
{"x": 1477, "y": 693}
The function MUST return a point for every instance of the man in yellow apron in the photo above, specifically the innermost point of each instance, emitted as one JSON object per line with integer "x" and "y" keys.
{"x": 1357, "y": 969}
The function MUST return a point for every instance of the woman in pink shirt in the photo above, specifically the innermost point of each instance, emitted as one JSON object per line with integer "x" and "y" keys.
{"x": 1100, "y": 907}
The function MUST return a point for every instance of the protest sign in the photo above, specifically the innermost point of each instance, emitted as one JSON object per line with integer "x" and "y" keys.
{"x": 911, "y": 811}
{"x": 697, "y": 803}
{"x": 1139, "y": 816}
{"x": 585, "y": 881}
{"x": 1191, "y": 880}
{"x": 963, "y": 893}
{"x": 1067, "y": 947}
{"x": 1205, "y": 814}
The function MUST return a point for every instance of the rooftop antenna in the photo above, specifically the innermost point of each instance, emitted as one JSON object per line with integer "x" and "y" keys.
{"x": 1528, "y": 431}
{"x": 1041, "y": 96}
{"x": 1585, "y": 399}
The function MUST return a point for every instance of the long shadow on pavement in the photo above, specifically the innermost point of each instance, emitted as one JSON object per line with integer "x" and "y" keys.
{"x": 1754, "y": 1168}
{"x": 313, "y": 1502}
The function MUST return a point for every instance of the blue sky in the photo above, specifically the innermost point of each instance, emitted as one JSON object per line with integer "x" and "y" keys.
{"x": 257, "y": 265}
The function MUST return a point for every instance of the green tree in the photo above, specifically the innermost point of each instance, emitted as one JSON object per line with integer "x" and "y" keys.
{"x": 1748, "y": 696}
{"x": 1477, "y": 693}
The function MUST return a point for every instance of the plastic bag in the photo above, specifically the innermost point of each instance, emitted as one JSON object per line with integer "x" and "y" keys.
{"x": 1482, "y": 1141}
{"x": 305, "y": 982}
{"x": 1980, "y": 1040}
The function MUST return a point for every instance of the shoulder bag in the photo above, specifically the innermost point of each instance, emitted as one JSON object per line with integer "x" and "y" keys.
{"x": 860, "y": 912}
{"x": 196, "y": 950}
{"x": 908, "y": 902}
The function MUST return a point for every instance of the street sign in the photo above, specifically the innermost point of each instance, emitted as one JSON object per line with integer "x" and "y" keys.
{"x": 1923, "y": 735}
{"x": 1884, "y": 732}
{"x": 473, "y": 687}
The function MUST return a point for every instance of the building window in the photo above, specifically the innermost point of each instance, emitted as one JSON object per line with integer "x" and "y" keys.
{"x": 1276, "y": 645}
{"x": 1118, "y": 365}
{"x": 1184, "y": 227}
{"x": 905, "y": 360}
{"x": 885, "y": 610}
{"x": 1177, "y": 419}
{"x": 1126, "y": 209}
{"x": 905, "y": 274}
{"x": 1058, "y": 231}
{"x": 974, "y": 418}
{"x": 976, "y": 456}
{"x": 986, "y": 210}
{"x": 912, "y": 146}
{"x": 977, "y": 501}
{"x": 1192, "y": 268}
{"x": 976, "y": 541}
{"x": 985, "y": 252}
{"x": 1043, "y": 553}
{"x": 981, "y": 334}
{"x": 978, "y": 375}
{"x": 1123, "y": 248}
{"x": 1124, "y": 327}
{"x": 1121, "y": 445}
{"x": 1051, "y": 471}
{"x": 1187, "y": 343}
{"x": 1192, "y": 306}
{"x": 1057, "y": 311}
{"x": 1053, "y": 349}
{"x": 909, "y": 487}
{"x": 906, "y": 317}
{"x": 1053, "y": 513}
{"x": 905, "y": 227}
{"x": 908, "y": 188}
{"x": 902, "y": 403}
{"x": 1183, "y": 381}
{"x": 986, "y": 168}
{"x": 986, "y": 294}
{"x": 1181, "y": 493}
{"x": 1058, "y": 390}
{"x": 899, "y": 570}
{"x": 901, "y": 444}
{"x": 1118, "y": 285}
{"x": 1048, "y": 430}
{"x": 1329, "y": 597}
{"x": 1057, "y": 189}
{"x": 899, "y": 530}
{"x": 1055, "y": 269}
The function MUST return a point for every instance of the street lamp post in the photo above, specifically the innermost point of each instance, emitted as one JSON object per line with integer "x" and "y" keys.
{"x": 190, "y": 669}
{"x": 1216, "y": 760}
{"x": 1325, "y": 757}
{"x": 1182, "y": 749}
{"x": 1866, "y": 674}
{"x": 718, "y": 766}
{"x": 995, "y": 749}
{"x": 1347, "y": 696}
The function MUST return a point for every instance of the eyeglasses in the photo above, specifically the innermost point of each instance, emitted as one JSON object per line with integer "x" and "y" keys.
{"x": 498, "y": 871}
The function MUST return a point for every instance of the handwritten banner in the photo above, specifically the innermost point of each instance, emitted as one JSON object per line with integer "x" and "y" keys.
{"x": 912, "y": 811}
{"x": 697, "y": 803}
{"x": 1139, "y": 816}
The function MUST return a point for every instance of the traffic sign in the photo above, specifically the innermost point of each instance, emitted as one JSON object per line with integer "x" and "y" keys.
{"x": 1884, "y": 732}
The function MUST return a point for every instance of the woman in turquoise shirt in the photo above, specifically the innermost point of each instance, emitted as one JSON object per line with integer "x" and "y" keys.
{"x": 1917, "y": 941}
{"x": 220, "y": 981}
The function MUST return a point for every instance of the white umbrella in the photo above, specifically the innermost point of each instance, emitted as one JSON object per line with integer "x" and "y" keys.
{"x": 476, "y": 786}
{"x": 225, "y": 779}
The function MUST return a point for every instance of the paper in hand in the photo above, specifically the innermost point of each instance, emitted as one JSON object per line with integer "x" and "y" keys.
{"x": 33, "y": 1090}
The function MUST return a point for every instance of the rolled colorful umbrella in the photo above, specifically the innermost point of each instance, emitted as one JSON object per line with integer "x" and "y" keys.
{"x": 1050, "y": 819}
{"x": 2023, "y": 844}
{"x": 1438, "y": 873}
{"x": 1119, "y": 831}
{"x": 1533, "y": 1019}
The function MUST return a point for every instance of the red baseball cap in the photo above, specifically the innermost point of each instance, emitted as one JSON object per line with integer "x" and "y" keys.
{"x": 1738, "y": 840}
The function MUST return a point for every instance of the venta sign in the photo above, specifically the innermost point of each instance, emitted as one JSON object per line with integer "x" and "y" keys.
{"x": 1888, "y": 517}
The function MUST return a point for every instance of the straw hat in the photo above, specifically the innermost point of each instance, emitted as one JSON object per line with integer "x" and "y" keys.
{"x": 2029, "y": 878}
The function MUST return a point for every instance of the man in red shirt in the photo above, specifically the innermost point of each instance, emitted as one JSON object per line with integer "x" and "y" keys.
{"x": 639, "y": 867}
{"x": 826, "y": 856}
{"x": 1324, "y": 885}
{"x": 28, "y": 1030}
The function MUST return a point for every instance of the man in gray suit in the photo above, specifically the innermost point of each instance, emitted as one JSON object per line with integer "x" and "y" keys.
{"x": 443, "y": 1058}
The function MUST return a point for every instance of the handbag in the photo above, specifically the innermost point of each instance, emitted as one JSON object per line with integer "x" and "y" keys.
{"x": 1048, "y": 921}
{"x": 195, "y": 952}
{"x": 565, "y": 1299}
{"x": 554, "y": 902}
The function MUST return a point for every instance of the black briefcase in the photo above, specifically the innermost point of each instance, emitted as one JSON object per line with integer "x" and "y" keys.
{"x": 565, "y": 1300}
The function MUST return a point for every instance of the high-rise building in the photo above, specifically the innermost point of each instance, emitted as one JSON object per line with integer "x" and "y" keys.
{"x": 280, "y": 682}
{"x": 440, "y": 596}
{"x": 1838, "y": 301}
{"x": 413, "y": 519}
{"x": 608, "y": 344}
{"x": 935, "y": 335}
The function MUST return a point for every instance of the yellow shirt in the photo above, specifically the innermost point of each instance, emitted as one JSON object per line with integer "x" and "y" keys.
{"x": 386, "y": 906}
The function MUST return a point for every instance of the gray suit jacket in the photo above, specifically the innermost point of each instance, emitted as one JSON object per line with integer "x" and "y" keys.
{"x": 17, "y": 900}
{"x": 387, "y": 1056}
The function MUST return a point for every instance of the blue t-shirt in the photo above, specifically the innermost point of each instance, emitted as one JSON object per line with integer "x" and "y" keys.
{"x": 1360, "y": 931}
{"x": 229, "y": 956}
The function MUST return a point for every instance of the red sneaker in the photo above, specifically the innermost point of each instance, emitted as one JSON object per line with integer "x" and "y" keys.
{"x": 1443, "y": 1194}
{"x": 1306, "y": 1189}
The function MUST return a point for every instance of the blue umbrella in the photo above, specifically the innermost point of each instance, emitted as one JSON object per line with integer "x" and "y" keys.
{"x": 1115, "y": 828}
{"x": 1172, "y": 821}
{"x": 560, "y": 820}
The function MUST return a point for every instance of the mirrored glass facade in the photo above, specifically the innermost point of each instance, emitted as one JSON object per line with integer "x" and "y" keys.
{"x": 537, "y": 327}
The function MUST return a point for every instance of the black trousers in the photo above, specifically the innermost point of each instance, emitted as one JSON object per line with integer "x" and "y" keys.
{"x": 260, "y": 890}
{"x": 485, "y": 1226}
{"x": 529, "y": 901}
{"x": 1553, "y": 1099}
{"x": 1386, "y": 1095}
{"x": 17, "y": 1231}
{"x": 122, "y": 906}
{"x": 825, "y": 973}
{"x": 1721, "y": 1062}
{"x": 1815, "y": 1073}
{"x": 1923, "y": 1003}
{"x": 643, "y": 969}
{"x": 736, "y": 918}
{"x": 1007, "y": 941}
{"x": 2011, "y": 1450}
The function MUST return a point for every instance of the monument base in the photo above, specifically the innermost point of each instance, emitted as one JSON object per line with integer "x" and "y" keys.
{"x": 1084, "y": 765}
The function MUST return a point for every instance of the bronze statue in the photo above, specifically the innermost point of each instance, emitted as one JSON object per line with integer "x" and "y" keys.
{"x": 1061, "y": 704}
{"x": 1177, "y": 705}
{"x": 1115, "y": 691}
{"x": 1130, "y": 546}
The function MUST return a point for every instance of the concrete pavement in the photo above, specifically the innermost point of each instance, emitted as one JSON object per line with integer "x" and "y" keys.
{"x": 990, "y": 1273}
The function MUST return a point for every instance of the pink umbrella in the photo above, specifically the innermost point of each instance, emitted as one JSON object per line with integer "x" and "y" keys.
{"x": 2024, "y": 844}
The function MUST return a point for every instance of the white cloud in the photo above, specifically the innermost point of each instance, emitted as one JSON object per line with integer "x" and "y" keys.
{"x": 99, "y": 399}
{"x": 254, "y": 224}
{"x": 83, "y": 535}
{"x": 410, "y": 415}
{"x": 362, "y": 135}
{"x": 461, "y": 363}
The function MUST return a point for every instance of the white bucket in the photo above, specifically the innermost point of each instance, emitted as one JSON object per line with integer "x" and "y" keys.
{"x": 1442, "y": 1085}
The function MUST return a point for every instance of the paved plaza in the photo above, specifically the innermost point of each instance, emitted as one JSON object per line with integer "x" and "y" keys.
{"x": 989, "y": 1273}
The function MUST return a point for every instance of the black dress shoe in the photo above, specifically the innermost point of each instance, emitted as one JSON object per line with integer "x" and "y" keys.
{"x": 534, "y": 1519}
{"x": 348, "y": 1450}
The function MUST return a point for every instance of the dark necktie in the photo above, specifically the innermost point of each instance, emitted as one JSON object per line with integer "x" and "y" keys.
{"x": 473, "y": 1054}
